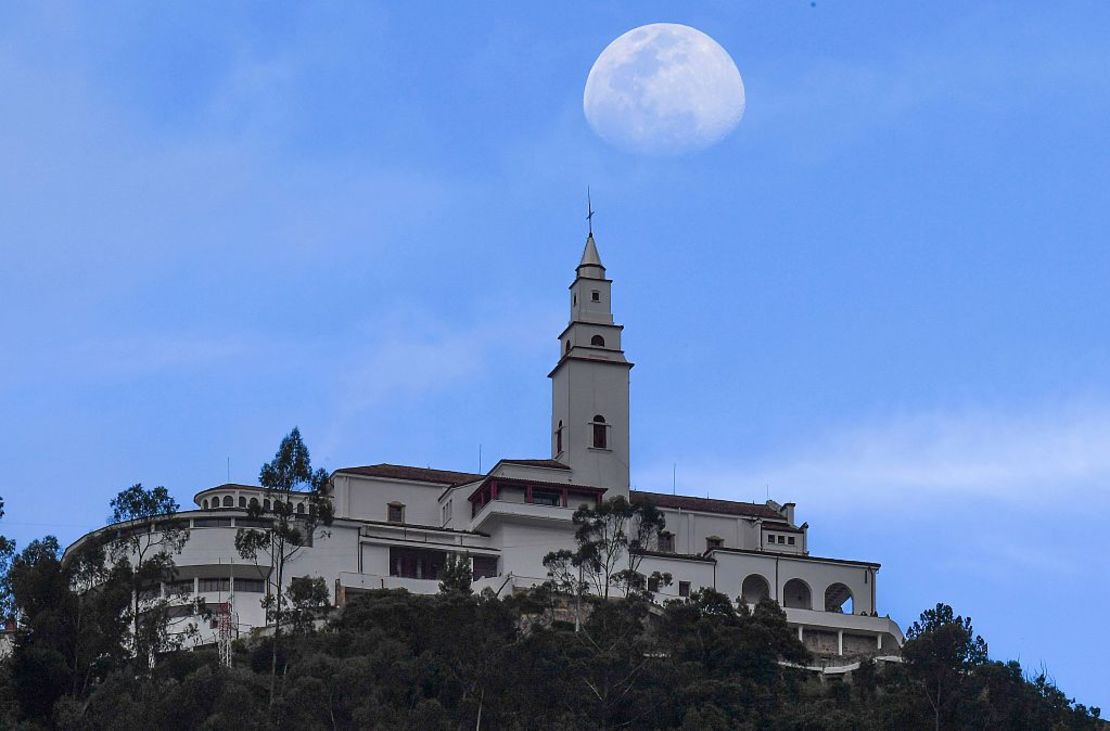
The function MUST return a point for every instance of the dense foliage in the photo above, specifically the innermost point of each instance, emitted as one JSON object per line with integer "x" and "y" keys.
{"x": 86, "y": 650}
{"x": 391, "y": 660}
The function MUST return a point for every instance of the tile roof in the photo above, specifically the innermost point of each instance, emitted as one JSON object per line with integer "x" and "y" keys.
{"x": 705, "y": 505}
{"x": 416, "y": 474}
{"x": 553, "y": 463}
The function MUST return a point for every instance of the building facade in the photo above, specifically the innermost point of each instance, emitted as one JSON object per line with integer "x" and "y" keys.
{"x": 395, "y": 526}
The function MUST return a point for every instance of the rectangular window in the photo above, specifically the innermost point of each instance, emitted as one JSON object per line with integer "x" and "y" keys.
{"x": 713, "y": 542}
{"x": 770, "y": 539}
{"x": 684, "y": 588}
{"x": 252, "y": 523}
{"x": 666, "y": 542}
{"x": 653, "y": 584}
{"x": 595, "y": 296}
{"x": 214, "y": 585}
{"x": 790, "y": 540}
{"x": 254, "y": 586}
{"x": 396, "y": 513}
{"x": 211, "y": 522}
{"x": 782, "y": 539}
{"x": 485, "y": 566}
{"x": 546, "y": 497}
{"x": 179, "y": 588}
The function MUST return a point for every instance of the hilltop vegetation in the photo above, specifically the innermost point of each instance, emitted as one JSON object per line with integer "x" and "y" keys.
{"x": 391, "y": 660}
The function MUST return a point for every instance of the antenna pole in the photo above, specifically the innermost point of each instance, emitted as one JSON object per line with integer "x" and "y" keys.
{"x": 479, "y": 458}
{"x": 674, "y": 478}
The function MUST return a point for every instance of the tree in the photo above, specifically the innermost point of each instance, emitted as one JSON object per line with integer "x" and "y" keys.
{"x": 308, "y": 601}
{"x": 65, "y": 638}
{"x": 287, "y": 477}
{"x": 942, "y": 648}
{"x": 456, "y": 576}
{"x": 610, "y": 542}
{"x": 143, "y": 550}
{"x": 7, "y": 551}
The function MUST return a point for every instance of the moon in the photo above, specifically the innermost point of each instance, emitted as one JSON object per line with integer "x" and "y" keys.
{"x": 663, "y": 89}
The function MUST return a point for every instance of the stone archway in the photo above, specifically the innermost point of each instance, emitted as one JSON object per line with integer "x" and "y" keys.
{"x": 754, "y": 589}
{"x": 796, "y": 595}
{"x": 838, "y": 598}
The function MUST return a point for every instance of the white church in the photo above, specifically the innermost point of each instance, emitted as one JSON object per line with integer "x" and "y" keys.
{"x": 395, "y": 526}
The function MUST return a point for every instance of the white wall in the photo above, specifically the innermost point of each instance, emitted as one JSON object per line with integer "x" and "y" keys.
{"x": 368, "y": 499}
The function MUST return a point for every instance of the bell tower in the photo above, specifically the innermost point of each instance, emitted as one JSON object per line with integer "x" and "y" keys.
{"x": 589, "y": 384}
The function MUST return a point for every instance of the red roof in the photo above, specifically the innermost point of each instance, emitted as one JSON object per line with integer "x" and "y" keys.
{"x": 416, "y": 474}
{"x": 705, "y": 505}
{"x": 553, "y": 463}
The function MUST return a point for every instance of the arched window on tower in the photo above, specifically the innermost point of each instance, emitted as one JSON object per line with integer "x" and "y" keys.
{"x": 601, "y": 440}
{"x": 559, "y": 438}
{"x": 597, "y": 341}
{"x": 227, "y": 501}
{"x": 568, "y": 346}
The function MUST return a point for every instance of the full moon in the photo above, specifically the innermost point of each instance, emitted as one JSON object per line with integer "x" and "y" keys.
{"x": 663, "y": 89}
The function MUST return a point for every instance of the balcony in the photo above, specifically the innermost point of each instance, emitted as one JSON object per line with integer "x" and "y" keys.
{"x": 529, "y": 500}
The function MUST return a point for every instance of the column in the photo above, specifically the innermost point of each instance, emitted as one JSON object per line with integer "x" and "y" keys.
{"x": 840, "y": 642}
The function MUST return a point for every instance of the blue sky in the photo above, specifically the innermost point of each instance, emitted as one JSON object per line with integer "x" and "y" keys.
{"x": 885, "y": 296}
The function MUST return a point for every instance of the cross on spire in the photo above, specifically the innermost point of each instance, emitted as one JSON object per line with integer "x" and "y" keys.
{"x": 589, "y": 212}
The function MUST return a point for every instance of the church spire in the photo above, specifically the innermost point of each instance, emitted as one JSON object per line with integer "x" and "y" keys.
{"x": 589, "y": 384}
{"x": 590, "y": 257}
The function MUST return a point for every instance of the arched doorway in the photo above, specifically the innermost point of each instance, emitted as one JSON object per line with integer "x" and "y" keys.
{"x": 796, "y": 594}
{"x": 754, "y": 589}
{"x": 838, "y": 598}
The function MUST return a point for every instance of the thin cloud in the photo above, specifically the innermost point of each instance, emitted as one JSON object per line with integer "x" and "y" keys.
{"x": 1001, "y": 456}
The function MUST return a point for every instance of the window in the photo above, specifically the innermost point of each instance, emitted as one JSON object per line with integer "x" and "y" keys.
{"x": 770, "y": 539}
{"x": 713, "y": 542}
{"x": 597, "y": 341}
{"x": 684, "y": 588}
{"x": 254, "y": 586}
{"x": 242, "y": 501}
{"x": 252, "y": 523}
{"x": 600, "y": 436}
{"x": 653, "y": 584}
{"x": 574, "y": 299}
{"x": 211, "y": 522}
{"x": 396, "y": 513}
{"x": 254, "y": 502}
{"x": 227, "y": 501}
{"x": 214, "y": 585}
{"x": 568, "y": 347}
{"x": 179, "y": 588}
{"x": 485, "y": 566}
{"x": 300, "y": 508}
{"x": 595, "y": 296}
{"x": 790, "y": 540}
{"x": 546, "y": 497}
{"x": 205, "y": 504}
{"x": 666, "y": 542}
{"x": 266, "y": 505}
{"x": 559, "y": 438}
{"x": 782, "y": 539}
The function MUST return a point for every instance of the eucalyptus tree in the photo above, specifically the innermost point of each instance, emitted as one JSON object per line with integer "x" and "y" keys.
{"x": 296, "y": 504}
{"x": 147, "y": 537}
{"x": 610, "y": 541}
